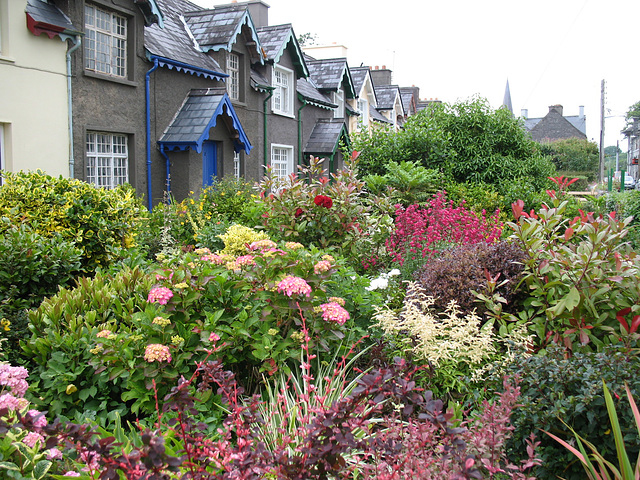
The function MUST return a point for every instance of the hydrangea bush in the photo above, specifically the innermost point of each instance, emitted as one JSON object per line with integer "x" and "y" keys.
{"x": 103, "y": 345}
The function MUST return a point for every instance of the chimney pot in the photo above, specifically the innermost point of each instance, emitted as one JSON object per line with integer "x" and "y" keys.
{"x": 524, "y": 113}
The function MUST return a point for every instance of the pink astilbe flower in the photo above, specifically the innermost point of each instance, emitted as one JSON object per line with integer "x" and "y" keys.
{"x": 157, "y": 352}
{"x": 291, "y": 286}
{"x": 14, "y": 378}
{"x": 334, "y": 312}
{"x": 160, "y": 295}
{"x": 321, "y": 267}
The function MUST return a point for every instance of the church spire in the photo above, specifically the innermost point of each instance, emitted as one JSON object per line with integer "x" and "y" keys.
{"x": 506, "y": 102}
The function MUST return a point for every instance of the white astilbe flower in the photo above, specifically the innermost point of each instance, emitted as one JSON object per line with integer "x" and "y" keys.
{"x": 448, "y": 337}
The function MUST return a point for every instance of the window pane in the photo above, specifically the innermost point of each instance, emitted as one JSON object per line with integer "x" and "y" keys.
{"x": 107, "y": 159}
{"x": 105, "y": 42}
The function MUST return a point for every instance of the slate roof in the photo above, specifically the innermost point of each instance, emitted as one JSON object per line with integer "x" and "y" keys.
{"x": 408, "y": 99}
{"x": 198, "y": 113}
{"x": 310, "y": 92}
{"x": 359, "y": 75}
{"x": 173, "y": 41}
{"x": 47, "y": 18}
{"x": 554, "y": 126}
{"x": 377, "y": 116}
{"x": 276, "y": 39}
{"x": 386, "y": 95}
{"x": 325, "y": 136}
{"x": 329, "y": 74}
{"x": 259, "y": 82}
{"x": 217, "y": 29}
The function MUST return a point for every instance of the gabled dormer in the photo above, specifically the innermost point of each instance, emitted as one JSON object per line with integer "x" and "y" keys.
{"x": 333, "y": 78}
{"x": 228, "y": 33}
{"x": 284, "y": 55}
{"x": 365, "y": 97}
{"x": 390, "y": 104}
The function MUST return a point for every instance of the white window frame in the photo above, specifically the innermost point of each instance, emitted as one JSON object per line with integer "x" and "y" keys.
{"x": 283, "y": 81}
{"x": 338, "y": 99}
{"x": 105, "y": 42}
{"x": 107, "y": 159}
{"x": 236, "y": 165}
{"x": 281, "y": 164}
{"x": 363, "y": 108}
{"x": 2, "y": 157}
{"x": 233, "y": 82}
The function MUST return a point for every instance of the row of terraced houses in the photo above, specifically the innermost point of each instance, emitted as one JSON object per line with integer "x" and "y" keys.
{"x": 166, "y": 95}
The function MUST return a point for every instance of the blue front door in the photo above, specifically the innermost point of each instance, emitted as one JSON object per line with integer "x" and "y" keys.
{"x": 209, "y": 162}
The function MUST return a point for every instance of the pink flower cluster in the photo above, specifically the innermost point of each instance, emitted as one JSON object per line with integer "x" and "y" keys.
{"x": 216, "y": 259}
{"x": 334, "y": 312}
{"x": 245, "y": 260}
{"x": 14, "y": 378}
{"x": 160, "y": 295}
{"x": 33, "y": 438}
{"x": 420, "y": 231}
{"x": 291, "y": 286}
{"x": 157, "y": 352}
{"x": 10, "y": 402}
{"x": 321, "y": 267}
{"x": 38, "y": 418}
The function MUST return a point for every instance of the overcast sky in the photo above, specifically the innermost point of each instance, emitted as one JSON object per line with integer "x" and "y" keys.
{"x": 551, "y": 51}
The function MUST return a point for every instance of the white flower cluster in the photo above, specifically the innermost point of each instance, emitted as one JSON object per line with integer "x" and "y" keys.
{"x": 382, "y": 282}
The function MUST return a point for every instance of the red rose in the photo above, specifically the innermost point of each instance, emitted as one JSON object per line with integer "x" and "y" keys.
{"x": 323, "y": 201}
{"x": 299, "y": 212}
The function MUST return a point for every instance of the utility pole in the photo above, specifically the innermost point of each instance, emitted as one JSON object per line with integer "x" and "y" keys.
{"x": 602, "y": 132}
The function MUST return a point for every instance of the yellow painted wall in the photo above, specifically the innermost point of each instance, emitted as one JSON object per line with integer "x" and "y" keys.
{"x": 33, "y": 95}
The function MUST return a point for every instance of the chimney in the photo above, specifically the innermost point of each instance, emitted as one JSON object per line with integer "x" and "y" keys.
{"x": 581, "y": 114}
{"x": 524, "y": 113}
{"x": 556, "y": 108}
{"x": 259, "y": 12}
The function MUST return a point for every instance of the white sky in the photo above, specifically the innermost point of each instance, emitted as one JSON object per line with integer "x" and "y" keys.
{"x": 551, "y": 51}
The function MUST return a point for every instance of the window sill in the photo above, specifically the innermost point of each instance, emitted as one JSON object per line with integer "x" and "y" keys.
{"x": 108, "y": 78}
{"x": 283, "y": 114}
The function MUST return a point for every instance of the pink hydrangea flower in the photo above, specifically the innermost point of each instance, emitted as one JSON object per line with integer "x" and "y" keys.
{"x": 71, "y": 474}
{"x": 157, "y": 352}
{"x": 54, "y": 454}
{"x": 291, "y": 286}
{"x": 264, "y": 244}
{"x": 321, "y": 267}
{"x": 334, "y": 312}
{"x": 39, "y": 420}
{"x": 32, "y": 439}
{"x": 14, "y": 378}
{"x": 245, "y": 260}
{"x": 216, "y": 259}
{"x": 160, "y": 295}
{"x": 10, "y": 402}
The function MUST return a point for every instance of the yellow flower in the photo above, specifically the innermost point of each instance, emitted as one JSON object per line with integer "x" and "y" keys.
{"x": 71, "y": 388}
{"x": 163, "y": 322}
{"x": 177, "y": 339}
{"x": 181, "y": 286}
{"x": 96, "y": 350}
{"x": 4, "y": 323}
{"x": 272, "y": 331}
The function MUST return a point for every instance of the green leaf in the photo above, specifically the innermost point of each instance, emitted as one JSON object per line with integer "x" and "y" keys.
{"x": 41, "y": 468}
{"x": 9, "y": 466}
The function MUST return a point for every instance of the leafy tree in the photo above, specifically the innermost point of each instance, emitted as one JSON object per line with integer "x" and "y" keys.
{"x": 307, "y": 39}
{"x": 467, "y": 141}
{"x": 633, "y": 113}
{"x": 574, "y": 157}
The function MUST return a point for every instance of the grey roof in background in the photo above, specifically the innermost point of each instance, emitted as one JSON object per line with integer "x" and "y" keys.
{"x": 358, "y": 75}
{"x": 310, "y": 92}
{"x": 48, "y": 14}
{"x": 325, "y": 136}
{"x": 173, "y": 40}
{"x": 579, "y": 122}
{"x": 329, "y": 74}
{"x": 406, "y": 97}
{"x": 386, "y": 95}
{"x": 553, "y": 127}
{"x": 377, "y": 116}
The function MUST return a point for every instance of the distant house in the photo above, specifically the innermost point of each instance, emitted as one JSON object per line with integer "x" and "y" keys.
{"x": 555, "y": 126}
{"x": 410, "y": 97}
{"x": 34, "y": 118}
{"x": 365, "y": 101}
{"x": 632, "y": 132}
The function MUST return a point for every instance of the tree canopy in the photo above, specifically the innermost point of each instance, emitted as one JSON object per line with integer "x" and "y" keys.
{"x": 469, "y": 142}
